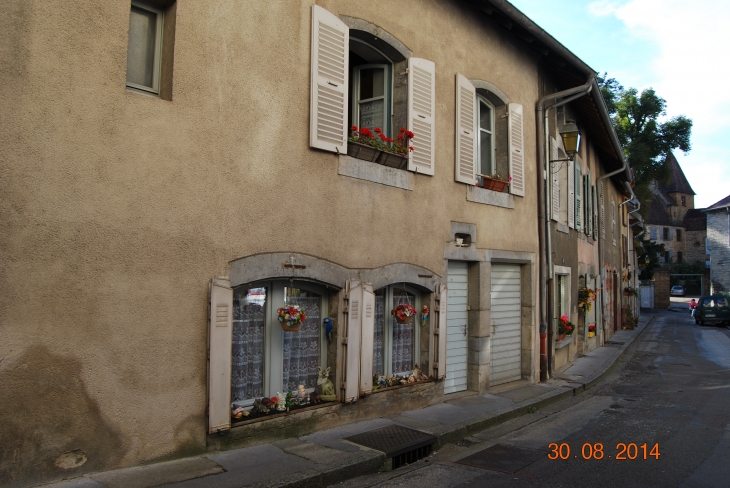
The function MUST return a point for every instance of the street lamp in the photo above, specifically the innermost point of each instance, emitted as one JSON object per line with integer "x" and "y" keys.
{"x": 571, "y": 138}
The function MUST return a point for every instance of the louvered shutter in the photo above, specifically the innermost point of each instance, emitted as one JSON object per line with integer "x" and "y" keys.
{"x": 516, "y": 150}
{"x": 587, "y": 205}
{"x": 555, "y": 179}
{"x": 652, "y": 233}
{"x": 571, "y": 194}
{"x": 466, "y": 130}
{"x": 421, "y": 114}
{"x": 328, "y": 98}
{"x": 578, "y": 198}
{"x": 440, "y": 360}
{"x": 594, "y": 226}
{"x": 220, "y": 336}
{"x": 613, "y": 222}
{"x": 351, "y": 342}
{"x": 367, "y": 338}
{"x": 603, "y": 211}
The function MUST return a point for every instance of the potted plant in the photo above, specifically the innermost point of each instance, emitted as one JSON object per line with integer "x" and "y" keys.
{"x": 377, "y": 147}
{"x": 495, "y": 182}
{"x": 591, "y": 330}
{"x": 291, "y": 318}
{"x": 362, "y": 144}
{"x": 629, "y": 291}
{"x": 586, "y": 297}
{"x": 403, "y": 313}
{"x": 565, "y": 327}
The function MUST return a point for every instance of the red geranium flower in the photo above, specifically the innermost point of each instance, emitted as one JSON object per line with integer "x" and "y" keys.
{"x": 410, "y": 134}
{"x": 410, "y": 148}
{"x": 402, "y": 129}
{"x": 354, "y": 127}
{"x": 377, "y": 130}
{"x": 400, "y": 136}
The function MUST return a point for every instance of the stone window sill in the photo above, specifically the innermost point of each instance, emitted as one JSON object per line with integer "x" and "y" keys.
{"x": 565, "y": 342}
{"x": 375, "y": 173}
{"x": 489, "y": 197}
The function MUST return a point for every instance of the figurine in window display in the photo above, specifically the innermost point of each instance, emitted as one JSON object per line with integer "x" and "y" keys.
{"x": 302, "y": 394}
{"x": 280, "y": 402}
{"x": 326, "y": 388}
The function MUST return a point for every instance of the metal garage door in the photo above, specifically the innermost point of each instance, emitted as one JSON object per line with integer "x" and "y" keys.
{"x": 456, "y": 339}
{"x": 506, "y": 341}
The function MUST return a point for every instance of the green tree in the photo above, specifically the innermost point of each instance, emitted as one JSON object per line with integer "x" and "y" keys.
{"x": 646, "y": 140}
{"x": 649, "y": 260}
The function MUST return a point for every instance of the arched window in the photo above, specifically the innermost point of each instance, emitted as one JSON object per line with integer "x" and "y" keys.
{"x": 485, "y": 140}
{"x": 265, "y": 358}
{"x": 371, "y": 86}
{"x": 395, "y": 346}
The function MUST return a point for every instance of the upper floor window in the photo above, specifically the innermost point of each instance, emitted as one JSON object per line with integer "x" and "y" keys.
{"x": 370, "y": 90}
{"x": 489, "y": 135}
{"x": 665, "y": 235}
{"x": 679, "y": 235}
{"x": 684, "y": 200}
{"x": 144, "y": 47}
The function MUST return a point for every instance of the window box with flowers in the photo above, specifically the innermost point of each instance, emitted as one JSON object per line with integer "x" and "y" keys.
{"x": 586, "y": 297}
{"x": 494, "y": 182}
{"x": 375, "y": 146}
{"x": 591, "y": 330}
{"x": 565, "y": 327}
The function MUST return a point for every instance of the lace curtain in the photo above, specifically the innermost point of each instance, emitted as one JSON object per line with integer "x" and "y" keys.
{"x": 378, "y": 338}
{"x": 247, "y": 365}
{"x": 301, "y": 348}
{"x": 402, "y": 334}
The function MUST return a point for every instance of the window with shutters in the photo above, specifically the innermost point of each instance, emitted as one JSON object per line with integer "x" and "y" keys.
{"x": 679, "y": 235}
{"x": 665, "y": 234}
{"x": 267, "y": 359}
{"x": 359, "y": 79}
{"x": 150, "y": 47}
{"x": 396, "y": 347}
{"x": 489, "y": 136}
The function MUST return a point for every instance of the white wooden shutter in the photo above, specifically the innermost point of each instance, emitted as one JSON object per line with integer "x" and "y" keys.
{"x": 367, "y": 334}
{"x": 613, "y": 222}
{"x": 587, "y": 204}
{"x": 439, "y": 364}
{"x": 603, "y": 211}
{"x": 421, "y": 114}
{"x": 578, "y": 198}
{"x": 466, "y": 130}
{"x": 594, "y": 226}
{"x": 571, "y": 194}
{"x": 516, "y": 150}
{"x": 652, "y": 233}
{"x": 328, "y": 98}
{"x": 555, "y": 179}
{"x": 351, "y": 342}
{"x": 220, "y": 336}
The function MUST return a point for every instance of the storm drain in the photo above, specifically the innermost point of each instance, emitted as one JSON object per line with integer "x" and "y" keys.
{"x": 401, "y": 445}
{"x": 502, "y": 458}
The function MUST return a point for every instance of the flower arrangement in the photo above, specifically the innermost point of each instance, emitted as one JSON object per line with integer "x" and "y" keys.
{"x": 403, "y": 313}
{"x": 565, "y": 326}
{"x": 291, "y": 317}
{"x": 626, "y": 275}
{"x": 424, "y": 315}
{"x": 401, "y": 144}
{"x": 586, "y": 297}
{"x": 592, "y": 328}
{"x": 499, "y": 177}
{"x": 628, "y": 291}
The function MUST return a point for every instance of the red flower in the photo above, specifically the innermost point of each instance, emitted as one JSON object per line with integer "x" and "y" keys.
{"x": 377, "y": 130}
{"x": 354, "y": 128}
{"x": 410, "y": 148}
{"x": 410, "y": 134}
{"x": 402, "y": 129}
{"x": 400, "y": 136}
{"x": 382, "y": 137}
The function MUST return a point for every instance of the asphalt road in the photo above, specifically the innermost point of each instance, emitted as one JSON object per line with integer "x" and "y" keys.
{"x": 670, "y": 390}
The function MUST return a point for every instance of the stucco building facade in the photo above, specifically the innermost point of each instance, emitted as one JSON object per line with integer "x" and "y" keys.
{"x": 176, "y": 172}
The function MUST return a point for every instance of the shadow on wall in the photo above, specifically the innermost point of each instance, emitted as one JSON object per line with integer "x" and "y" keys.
{"x": 50, "y": 427}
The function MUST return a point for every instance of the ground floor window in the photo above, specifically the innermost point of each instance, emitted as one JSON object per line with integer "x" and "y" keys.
{"x": 265, "y": 358}
{"x": 395, "y": 346}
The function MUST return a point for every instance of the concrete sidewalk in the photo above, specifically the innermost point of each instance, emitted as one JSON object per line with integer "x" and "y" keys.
{"x": 325, "y": 458}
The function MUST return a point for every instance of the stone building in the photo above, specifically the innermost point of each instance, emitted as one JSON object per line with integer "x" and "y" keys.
{"x": 718, "y": 242}
{"x": 174, "y": 173}
{"x": 696, "y": 248}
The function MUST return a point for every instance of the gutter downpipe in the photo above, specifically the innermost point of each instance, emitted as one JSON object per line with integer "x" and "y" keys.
{"x": 544, "y": 237}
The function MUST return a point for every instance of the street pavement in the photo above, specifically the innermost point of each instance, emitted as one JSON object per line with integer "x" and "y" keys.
{"x": 669, "y": 392}
{"x": 325, "y": 458}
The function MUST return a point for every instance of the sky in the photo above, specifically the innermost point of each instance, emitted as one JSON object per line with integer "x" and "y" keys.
{"x": 677, "y": 47}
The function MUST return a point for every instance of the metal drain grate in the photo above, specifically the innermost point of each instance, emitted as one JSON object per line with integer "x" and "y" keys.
{"x": 400, "y": 444}
{"x": 506, "y": 459}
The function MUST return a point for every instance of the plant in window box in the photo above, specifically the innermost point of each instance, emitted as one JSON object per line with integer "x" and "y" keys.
{"x": 403, "y": 313}
{"x": 495, "y": 182}
{"x": 629, "y": 291}
{"x": 291, "y": 318}
{"x": 395, "y": 153}
{"x": 586, "y": 297}
{"x": 362, "y": 144}
{"x": 592, "y": 330}
{"x": 565, "y": 327}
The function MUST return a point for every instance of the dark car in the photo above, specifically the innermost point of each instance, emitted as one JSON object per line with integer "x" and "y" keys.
{"x": 677, "y": 290}
{"x": 713, "y": 309}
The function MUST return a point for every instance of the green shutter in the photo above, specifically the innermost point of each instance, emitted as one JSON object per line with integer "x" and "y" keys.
{"x": 578, "y": 199}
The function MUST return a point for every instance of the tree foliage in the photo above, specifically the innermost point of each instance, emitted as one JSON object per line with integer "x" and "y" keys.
{"x": 646, "y": 140}
{"x": 649, "y": 260}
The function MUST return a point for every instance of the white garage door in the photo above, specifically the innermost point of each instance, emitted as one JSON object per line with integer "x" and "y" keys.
{"x": 506, "y": 359}
{"x": 456, "y": 340}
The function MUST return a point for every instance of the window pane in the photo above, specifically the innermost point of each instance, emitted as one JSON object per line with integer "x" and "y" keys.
{"x": 141, "y": 48}
{"x": 301, "y": 348}
{"x": 247, "y": 365}
{"x": 372, "y": 114}
{"x": 485, "y": 153}
{"x": 402, "y": 334}
{"x": 372, "y": 83}
{"x": 485, "y": 116}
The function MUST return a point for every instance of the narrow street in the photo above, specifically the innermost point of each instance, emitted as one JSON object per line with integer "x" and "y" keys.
{"x": 664, "y": 408}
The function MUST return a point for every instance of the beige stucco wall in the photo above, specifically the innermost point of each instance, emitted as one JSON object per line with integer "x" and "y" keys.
{"x": 118, "y": 207}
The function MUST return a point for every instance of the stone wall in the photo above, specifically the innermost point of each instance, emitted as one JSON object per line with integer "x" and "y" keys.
{"x": 695, "y": 247}
{"x": 717, "y": 234}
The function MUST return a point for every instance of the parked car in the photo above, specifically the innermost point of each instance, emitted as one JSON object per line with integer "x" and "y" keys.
{"x": 677, "y": 290}
{"x": 713, "y": 309}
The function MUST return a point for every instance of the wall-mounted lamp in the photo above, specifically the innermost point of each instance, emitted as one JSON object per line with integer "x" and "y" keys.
{"x": 571, "y": 138}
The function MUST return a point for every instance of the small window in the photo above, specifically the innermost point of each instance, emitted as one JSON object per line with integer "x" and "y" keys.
{"x": 666, "y": 233}
{"x": 371, "y": 94}
{"x": 684, "y": 200}
{"x": 679, "y": 257}
{"x": 679, "y": 235}
{"x": 486, "y": 137}
{"x": 144, "y": 49}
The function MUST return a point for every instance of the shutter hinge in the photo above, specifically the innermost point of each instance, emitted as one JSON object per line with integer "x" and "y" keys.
{"x": 404, "y": 73}
{"x": 344, "y": 340}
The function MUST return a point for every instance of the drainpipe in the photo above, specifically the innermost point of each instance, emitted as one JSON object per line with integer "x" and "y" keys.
{"x": 543, "y": 220}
